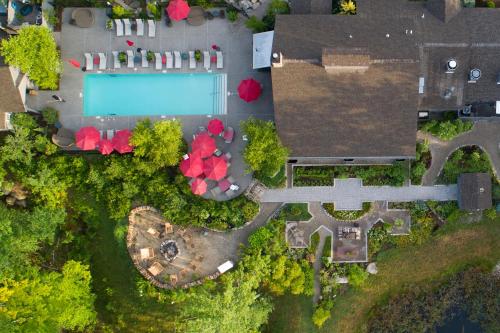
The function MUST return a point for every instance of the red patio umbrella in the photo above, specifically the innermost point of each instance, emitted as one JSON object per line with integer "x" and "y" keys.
{"x": 192, "y": 167}
{"x": 74, "y": 63}
{"x": 249, "y": 90}
{"x": 105, "y": 147}
{"x": 215, "y": 168}
{"x": 178, "y": 10}
{"x": 121, "y": 141}
{"x": 129, "y": 42}
{"x": 198, "y": 186}
{"x": 204, "y": 144}
{"x": 215, "y": 126}
{"x": 87, "y": 138}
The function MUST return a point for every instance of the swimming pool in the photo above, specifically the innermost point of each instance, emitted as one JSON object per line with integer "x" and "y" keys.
{"x": 154, "y": 94}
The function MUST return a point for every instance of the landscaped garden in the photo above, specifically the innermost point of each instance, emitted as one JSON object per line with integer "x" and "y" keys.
{"x": 394, "y": 175}
{"x": 448, "y": 128}
{"x": 421, "y": 163}
{"x": 347, "y": 215}
{"x": 296, "y": 212}
{"x": 466, "y": 159}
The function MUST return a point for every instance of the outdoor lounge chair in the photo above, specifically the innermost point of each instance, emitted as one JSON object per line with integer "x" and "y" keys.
{"x": 170, "y": 60}
{"x": 178, "y": 59}
{"x": 158, "y": 63}
{"x": 192, "y": 60}
{"x": 151, "y": 28}
{"x": 144, "y": 57}
{"x": 128, "y": 27}
{"x": 102, "y": 61}
{"x": 89, "y": 61}
{"x": 116, "y": 60}
{"x": 119, "y": 27}
{"x": 220, "y": 60}
{"x": 130, "y": 59}
{"x": 140, "y": 27}
{"x": 206, "y": 60}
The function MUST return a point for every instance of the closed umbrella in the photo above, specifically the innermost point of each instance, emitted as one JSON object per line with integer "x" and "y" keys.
{"x": 121, "y": 141}
{"x": 87, "y": 138}
{"x": 74, "y": 63}
{"x": 192, "y": 167}
{"x": 215, "y": 126}
{"x": 178, "y": 10}
{"x": 198, "y": 186}
{"x": 204, "y": 144}
{"x": 215, "y": 168}
{"x": 249, "y": 90}
{"x": 105, "y": 147}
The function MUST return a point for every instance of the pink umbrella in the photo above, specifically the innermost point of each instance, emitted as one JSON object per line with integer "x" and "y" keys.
{"x": 198, "y": 186}
{"x": 215, "y": 126}
{"x": 74, "y": 63}
{"x": 249, "y": 90}
{"x": 204, "y": 144}
{"x": 121, "y": 141}
{"x": 87, "y": 138}
{"x": 178, "y": 10}
{"x": 129, "y": 42}
{"x": 105, "y": 147}
{"x": 192, "y": 167}
{"x": 215, "y": 168}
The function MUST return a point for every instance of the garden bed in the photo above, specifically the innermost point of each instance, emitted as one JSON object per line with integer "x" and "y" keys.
{"x": 347, "y": 215}
{"x": 421, "y": 163}
{"x": 465, "y": 159}
{"x": 296, "y": 212}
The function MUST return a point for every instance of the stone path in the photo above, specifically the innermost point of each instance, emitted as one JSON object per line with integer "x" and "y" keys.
{"x": 349, "y": 194}
{"x": 485, "y": 134}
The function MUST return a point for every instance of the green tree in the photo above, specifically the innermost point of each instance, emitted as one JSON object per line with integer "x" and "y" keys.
{"x": 320, "y": 315}
{"x": 357, "y": 276}
{"x": 264, "y": 152}
{"x": 34, "y": 52}
{"x": 49, "y": 302}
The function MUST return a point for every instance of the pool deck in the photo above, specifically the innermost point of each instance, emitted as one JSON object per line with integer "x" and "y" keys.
{"x": 235, "y": 41}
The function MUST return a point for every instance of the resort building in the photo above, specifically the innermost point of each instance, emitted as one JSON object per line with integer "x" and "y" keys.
{"x": 350, "y": 89}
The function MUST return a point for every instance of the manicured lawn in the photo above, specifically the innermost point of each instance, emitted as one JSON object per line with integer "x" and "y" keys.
{"x": 277, "y": 181}
{"x": 296, "y": 212}
{"x": 291, "y": 314}
{"x": 119, "y": 305}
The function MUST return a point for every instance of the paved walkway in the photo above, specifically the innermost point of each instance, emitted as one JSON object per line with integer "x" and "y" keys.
{"x": 349, "y": 194}
{"x": 485, "y": 134}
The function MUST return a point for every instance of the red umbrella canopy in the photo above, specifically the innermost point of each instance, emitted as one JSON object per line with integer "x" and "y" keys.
{"x": 74, "y": 63}
{"x": 121, "y": 141}
{"x": 215, "y": 126}
{"x": 249, "y": 90}
{"x": 215, "y": 168}
{"x": 198, "y": 186}
{"x": 192, "y": 167}
{"x": 105, "y": 147}
{"x": 204, "y": 144}
{"x": 178, "y": 10}
{"x": 87, "y": 138}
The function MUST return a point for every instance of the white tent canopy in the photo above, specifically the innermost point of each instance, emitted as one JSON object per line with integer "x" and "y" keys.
{"x": 262, "y": 49}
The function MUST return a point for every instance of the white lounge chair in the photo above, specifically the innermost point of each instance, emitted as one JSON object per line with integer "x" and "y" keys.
{"x": 151, "y": 28}
{"x": 158, "y": 63}
{"x": 119, "y": 27}
{"x": 116, "y": 60}
{"x": 140, "y": 27}
{"x": 220, "y": 60}
{"x": 144, "y": 58}
{"x": 178, "y": 59}
{"x": 206, "y": 60}
{"x": 192, "y": 60}
{"x": 130, "y": 59}
{"x": 110, "y": 134}
{"x": 102, "y": 61}
{"x": 89, "y": 61}
{"x": 170, "y": 60}
{"x": 128, "y": 27}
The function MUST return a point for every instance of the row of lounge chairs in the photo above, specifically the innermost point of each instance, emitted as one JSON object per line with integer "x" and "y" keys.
{"x": 172, "y": 60}
{"x": 124, "y": 27}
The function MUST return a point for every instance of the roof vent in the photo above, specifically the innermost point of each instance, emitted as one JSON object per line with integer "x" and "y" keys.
{"x": 451, "y": 66}
{"x": 474, "y": 75}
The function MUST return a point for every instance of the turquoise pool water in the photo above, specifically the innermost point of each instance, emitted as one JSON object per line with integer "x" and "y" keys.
{"x": 154, "y": 94}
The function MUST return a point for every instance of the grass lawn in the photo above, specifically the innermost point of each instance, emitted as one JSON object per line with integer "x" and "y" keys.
{"x": 441, "y": 255}
{"x": 296, "y": 212}
{"x": 118, "y": 304}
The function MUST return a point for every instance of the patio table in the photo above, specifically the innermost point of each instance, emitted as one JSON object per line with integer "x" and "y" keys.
{"x": 83, "y": 17}
{"x": 224, "y": 185}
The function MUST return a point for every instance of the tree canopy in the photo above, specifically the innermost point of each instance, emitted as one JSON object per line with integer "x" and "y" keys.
{"x": 264, "y": 152}
{"x": 34, "y": 52}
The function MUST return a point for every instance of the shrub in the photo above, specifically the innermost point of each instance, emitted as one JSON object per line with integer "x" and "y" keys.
{"x": 466, "y": 159}
{"x": 314, "y": 242}
{"x": 447, "y": 129}
{"x": 232, "y": 15}
{"x": 50, "y": 115}
{"x": 490, "y": 4}
{"x": 357, "y": 276}
{"x": 320, "y": 315}
{"x": 50, "y": 16}
{"x": 347, "y": 7}
{"x": 197, "y": 55}
{"x": 276, "y": 7}
{"x": 120, "y": 12}
{"x": 155, "y": 10}
{"x": 150, "y": 55}
{"x": 256, "y": 25}
{"x": 122, "y": 57}
{"x": 490, "y": 213}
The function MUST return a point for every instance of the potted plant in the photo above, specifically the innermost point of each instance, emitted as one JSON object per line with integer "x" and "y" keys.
{"x": 150, "y": 56}
{"x": 197, "y": 55}
{"x": 109, "y": 24}
{"x": 122, "y": 57}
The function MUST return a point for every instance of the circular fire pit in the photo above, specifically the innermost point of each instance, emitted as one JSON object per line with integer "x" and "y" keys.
{"x": 169, "y": 249}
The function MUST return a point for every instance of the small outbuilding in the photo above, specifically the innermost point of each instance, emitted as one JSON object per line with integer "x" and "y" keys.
{"x": 474, "y": 191}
